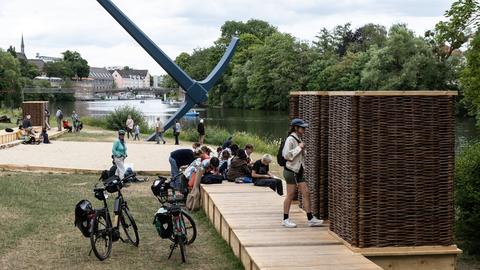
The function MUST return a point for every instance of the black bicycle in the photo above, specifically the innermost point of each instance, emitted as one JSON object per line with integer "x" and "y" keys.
{"x": 103, "y": 230}
{"x": 172, "y": 220}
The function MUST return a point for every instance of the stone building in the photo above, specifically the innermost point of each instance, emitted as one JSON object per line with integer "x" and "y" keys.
{"x": 131, "y": 78}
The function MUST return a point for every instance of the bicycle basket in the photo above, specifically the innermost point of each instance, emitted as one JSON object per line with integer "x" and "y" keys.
{"x": 84, "y": 214}
{"x": 163, "y": 223}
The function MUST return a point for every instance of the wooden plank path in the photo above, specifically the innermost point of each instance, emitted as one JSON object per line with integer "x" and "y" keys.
{"x": 249, "y": 219}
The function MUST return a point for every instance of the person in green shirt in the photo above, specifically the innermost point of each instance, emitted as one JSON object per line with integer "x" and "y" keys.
{"x": 119, "y": 152}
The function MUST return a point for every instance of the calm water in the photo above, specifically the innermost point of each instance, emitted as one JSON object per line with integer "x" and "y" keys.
{"x": 269, "y": 124}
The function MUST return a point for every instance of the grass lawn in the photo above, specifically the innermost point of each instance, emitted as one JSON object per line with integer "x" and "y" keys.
{"x": 37, "y": 215}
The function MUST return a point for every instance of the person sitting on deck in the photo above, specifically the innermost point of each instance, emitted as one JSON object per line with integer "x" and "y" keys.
{"x": 233, "y": 149}
{"x": 248, "y": 152}
{"x": 67, "y": 126}
{"x": 44, "y": 136}
{"x": 30, "y": 136}
{"x": 227, "y": 143}
{"x": 225, "y": 157}
{"x": 211, "y": 175}
{"x": 21, "y": 133}
{"x": 26, "y": 122}
{"x": 263, "y": 178}
{"x": 238, "y": 170}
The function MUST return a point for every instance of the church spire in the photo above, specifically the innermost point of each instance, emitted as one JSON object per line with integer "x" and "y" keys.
{"x": 22, "y": 45}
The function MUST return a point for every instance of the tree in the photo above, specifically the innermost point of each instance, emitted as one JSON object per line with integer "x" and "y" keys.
{"x": 405, "y": 63}
{"x": 470, "y": 78}
{"x": 450, "y": 35}
{"x": 76, "y": 64}
{"x": 260, "y": 29}
{"x": 10, "y": 79}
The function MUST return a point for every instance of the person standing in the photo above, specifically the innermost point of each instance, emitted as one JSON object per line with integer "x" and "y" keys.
{"x": 119, "y": 152}
{"x": 59, "y": 116}
{"x": 75, "y": 121}
{"x": 129, "y": 126}
{"x": 176, "y": 131}
{"x": 136, "y": 131}
{"x": 47, "y": 119}
{"x": 294, "y": 154}
{"x": 201, "y": 131}
{"x": 159, "y": 131}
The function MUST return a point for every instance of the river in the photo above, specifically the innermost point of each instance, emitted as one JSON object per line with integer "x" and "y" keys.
{"x": 267, "y": 124}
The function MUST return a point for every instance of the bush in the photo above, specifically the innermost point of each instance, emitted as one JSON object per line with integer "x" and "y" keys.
{"x": 467, "y": 199}
{"x": 216, "y": 136}
{"x": 116, "y": 119}
{"x": 100, "y": 121}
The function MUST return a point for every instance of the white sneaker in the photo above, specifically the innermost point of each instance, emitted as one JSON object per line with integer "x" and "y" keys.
{"x": 315, "y": 222}
{"x": 288, "y": 223}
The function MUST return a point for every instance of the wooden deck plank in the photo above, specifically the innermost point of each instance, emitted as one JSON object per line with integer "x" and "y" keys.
{"x": 249, "y": 220}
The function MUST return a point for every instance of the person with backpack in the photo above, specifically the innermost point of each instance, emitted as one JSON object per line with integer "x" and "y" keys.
{"x": 291, "y": 156}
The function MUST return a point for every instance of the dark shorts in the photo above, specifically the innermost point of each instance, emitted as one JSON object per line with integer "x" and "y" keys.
{"x": 292, "y": 178}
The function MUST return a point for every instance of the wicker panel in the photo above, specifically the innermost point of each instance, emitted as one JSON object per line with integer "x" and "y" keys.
{"x": 342, "y": 207}
{"x": 309, "y": 109}
{"x": 294, "y": 100}
{"x": 36, "y": 109}
{"x": 391, "y": 170}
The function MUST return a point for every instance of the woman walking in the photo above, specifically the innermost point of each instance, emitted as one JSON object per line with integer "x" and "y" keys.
{"x": 129, "y": 126}
{"x": 294, "y": 154}
{"x": 119, "y": 153}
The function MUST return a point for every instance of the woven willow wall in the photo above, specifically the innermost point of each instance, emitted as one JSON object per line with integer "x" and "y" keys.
{"x": 314, "y": 110}
{"x": 36, "y": 109}
{"x": 390, "y": 165}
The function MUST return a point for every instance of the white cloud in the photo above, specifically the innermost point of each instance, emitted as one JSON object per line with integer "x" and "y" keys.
{"x": 53, "y": 26}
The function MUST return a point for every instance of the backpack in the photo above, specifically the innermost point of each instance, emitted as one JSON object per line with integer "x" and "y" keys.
{"x": 280, "y": 159}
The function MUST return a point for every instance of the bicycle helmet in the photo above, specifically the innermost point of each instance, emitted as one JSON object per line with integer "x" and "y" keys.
{"x": 84, "y": 213}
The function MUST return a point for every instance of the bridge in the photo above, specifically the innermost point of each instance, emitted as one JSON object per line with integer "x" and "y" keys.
{"x": 155, "y": 91}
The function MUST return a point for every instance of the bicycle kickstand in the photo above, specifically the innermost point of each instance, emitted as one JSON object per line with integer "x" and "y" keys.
{"x": 172, "y": 248}
{"x": 90, "y": 252}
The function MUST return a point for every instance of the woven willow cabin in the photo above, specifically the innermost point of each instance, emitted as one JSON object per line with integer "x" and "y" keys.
{"x": 380, "y": 167}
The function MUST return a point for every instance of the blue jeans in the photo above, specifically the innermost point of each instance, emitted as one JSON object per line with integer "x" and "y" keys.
{"x": 173, "y": 167}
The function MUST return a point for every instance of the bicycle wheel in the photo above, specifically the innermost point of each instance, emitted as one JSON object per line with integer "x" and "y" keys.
{"x": 101, "y": 236}
{"x": 129, "y": 227}
{"x": 183, "y": 250}
{"x": 190, "y": 227}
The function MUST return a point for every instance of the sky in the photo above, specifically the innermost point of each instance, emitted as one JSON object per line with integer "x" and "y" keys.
{"x": 51, "y": 27}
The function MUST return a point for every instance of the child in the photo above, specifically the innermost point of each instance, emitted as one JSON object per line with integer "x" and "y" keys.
{"x": 137, "y": 132}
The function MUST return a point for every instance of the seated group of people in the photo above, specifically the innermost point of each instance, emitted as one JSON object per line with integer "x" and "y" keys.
{"x": 29, "y": 136}
{"x": 227, "y": 163}
{"x": 77, "y": 125}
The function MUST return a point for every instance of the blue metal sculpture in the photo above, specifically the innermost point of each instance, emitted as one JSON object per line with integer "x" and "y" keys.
{"x": 196, "y": 91}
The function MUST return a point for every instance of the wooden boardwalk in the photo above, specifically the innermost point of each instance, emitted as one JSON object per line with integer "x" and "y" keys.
{"x": 249, "y": 219}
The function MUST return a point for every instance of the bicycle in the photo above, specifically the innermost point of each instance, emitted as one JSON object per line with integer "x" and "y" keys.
{"x": 181, "y": 228}
{"x": 102, "y": 229}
